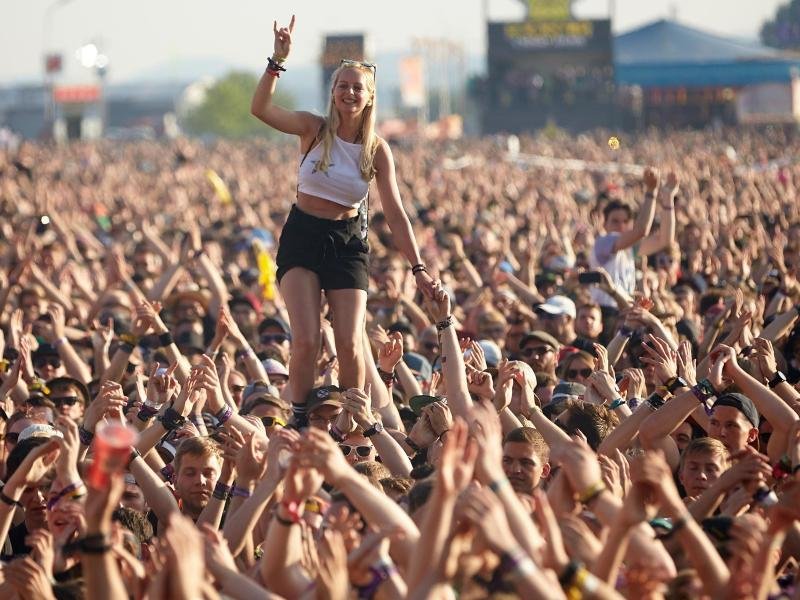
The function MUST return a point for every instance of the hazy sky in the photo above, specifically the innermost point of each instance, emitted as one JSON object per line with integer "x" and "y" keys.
{"x": 141, "y": 35}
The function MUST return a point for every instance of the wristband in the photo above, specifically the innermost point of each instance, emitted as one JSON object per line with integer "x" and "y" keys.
{"x": 85, "y": 436}
{"x": 221, "y": 491}
{"x": 146, "y": 412}
{"x": 7, "y": 499}
{"x": 386, "y": 376}
{"x": 655, "y": 401}
{"x": 616, "y": 404}
{"x": 244, "y": 352}
{"x": 293, "y": 510}
{"x": 418, "y": 268}
{"x": 625, "y": 332}
{"x": 240, "y": 492}
{"x": 411, "y": 444}
{"x": 592, "y": 492}
{"x": 336, "y": 434}
{"x": 499, "y": 484}
{"x": 567, "y": 577}
{"x": 224, "y": 414}
{"x": 129, "y": 338}
{"x": 91, "y": 544}
{"x": 126, "y": 347}
{"x": 168, "y": 471}
{"x": 676, "y": 383}
{"x": 704, "y": 390}
{"x": 134, "y": 455}
{"x": 172, "y": 420}
{"x": 447, "y": 322}
{"x": 165, "y": 339}
{"x": 284, "y": 522}
{"x": 59, "y": 341}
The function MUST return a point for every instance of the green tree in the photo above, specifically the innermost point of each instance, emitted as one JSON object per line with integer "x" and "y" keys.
{"x": 783, "y": 31}
{"x": 226, "y": 109}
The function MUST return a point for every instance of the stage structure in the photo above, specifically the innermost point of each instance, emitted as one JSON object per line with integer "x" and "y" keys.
{"x": 549, "y": 68}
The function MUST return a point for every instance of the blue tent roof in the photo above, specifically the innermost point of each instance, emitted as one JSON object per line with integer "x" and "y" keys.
{"x": 668, "y": 54}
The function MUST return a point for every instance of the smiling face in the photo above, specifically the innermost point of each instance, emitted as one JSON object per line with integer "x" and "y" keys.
{"x": 353, "y": 91}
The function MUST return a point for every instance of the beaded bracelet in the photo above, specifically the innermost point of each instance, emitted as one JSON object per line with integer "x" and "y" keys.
{"x": 385, "y": 376}
{"x": 447, "y": 322}
{"x": 419, "y": 268}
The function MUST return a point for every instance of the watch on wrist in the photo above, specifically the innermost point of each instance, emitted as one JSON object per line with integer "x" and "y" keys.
{"x": 375, "y": 429}
{"x": 777, "y": 379}
{"x": 676, "y": 383}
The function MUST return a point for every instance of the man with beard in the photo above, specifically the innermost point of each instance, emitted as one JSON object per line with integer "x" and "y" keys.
{"x": 525, "y": 456}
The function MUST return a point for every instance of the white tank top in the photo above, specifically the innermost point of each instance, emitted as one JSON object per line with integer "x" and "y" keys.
{"x": 342, "y": 183}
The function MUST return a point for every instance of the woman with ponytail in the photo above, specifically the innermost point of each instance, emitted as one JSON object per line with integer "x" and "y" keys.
{"x": 323, "y": 244}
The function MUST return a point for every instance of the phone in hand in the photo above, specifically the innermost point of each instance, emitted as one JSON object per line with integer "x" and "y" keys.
{"x": 590, "y": 277}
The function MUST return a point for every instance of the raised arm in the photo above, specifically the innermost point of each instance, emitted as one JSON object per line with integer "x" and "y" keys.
{"x": 303, "y": 124}
{"x": 666, "y": 210}
{"x": 644, "y": 220}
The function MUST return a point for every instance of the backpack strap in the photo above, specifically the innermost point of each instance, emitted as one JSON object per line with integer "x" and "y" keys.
{"x": 313, "y": 143}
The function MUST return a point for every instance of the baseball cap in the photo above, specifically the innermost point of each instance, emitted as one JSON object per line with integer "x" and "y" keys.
{"x": 38, "y": 430}
{"x": 566, "y": 390}
{"x": 558, "y": 305}
{"x": 417, "y": 403}
{"x": 274, "y": 322}
{"x": 327, "y": 395}
{"x": 258, "y": 387}
{"x": 79, "y": 385}
{"x": 539, "y": 336}
{"x": 419, "y": 364}
{"x": 274, "y": 367}
{"x": 491, "y": 352}
{"x": 741, "y": 403}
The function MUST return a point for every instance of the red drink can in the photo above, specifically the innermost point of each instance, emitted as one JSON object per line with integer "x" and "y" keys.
{"x": 112, "y": 449}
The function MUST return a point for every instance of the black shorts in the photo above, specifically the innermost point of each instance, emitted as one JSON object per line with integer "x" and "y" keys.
{"x": 334, "y": 250}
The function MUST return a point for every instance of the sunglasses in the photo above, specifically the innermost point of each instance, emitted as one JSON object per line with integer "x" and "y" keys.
{"x": 362, "y": 451}
{"x": 346, "y": 62}
{"x": 536, "y": 351}
{"x": 572, "y": 373}
{"x": 65, "y": 401}
{"x": 52, "y": 361}
{"x": 273, "y": 421}
{"x": 277, "y": 338}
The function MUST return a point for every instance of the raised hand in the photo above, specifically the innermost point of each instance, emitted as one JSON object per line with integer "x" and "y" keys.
{"x": 651, "y": 178}
{"x": 437, "y": 301}
{"x": 391, "y": 352}
{"x": 283, "y": 39}
{"x": 661, "y": 357}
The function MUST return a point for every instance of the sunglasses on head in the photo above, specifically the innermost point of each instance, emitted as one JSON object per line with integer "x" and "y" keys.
{"x": 65, "y": 400}
{"x": 47, "y": 361}
{"x": 362, "y": 451}
{"x": 273, "y": 421}
{"x": 275, "y": 337}
{"x": 572, "y": 373}
{"x": 346, "y": 62}
{"x": 536, "y": 351}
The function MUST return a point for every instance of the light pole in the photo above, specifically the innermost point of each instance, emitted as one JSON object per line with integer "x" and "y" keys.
{"x": 47, "y": 25}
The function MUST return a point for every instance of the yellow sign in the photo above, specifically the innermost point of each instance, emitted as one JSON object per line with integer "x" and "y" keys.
{"x": 549, "y": 30}
{"x": 549, "y": 10}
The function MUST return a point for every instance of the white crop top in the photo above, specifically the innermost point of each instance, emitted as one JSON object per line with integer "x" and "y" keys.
{"x": 342, "y": 183}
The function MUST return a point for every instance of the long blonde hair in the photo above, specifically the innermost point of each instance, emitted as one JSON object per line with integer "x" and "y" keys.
{"x": 369, "y": 141}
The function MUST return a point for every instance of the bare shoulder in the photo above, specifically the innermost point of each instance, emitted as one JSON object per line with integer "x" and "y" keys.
{"x": 383, "y": 153}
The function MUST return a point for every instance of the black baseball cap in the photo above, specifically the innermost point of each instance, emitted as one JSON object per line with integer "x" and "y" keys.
{"x": 741, "y": 403}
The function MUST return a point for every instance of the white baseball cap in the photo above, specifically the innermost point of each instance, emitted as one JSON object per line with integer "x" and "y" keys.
{"x": 558, "y": 305}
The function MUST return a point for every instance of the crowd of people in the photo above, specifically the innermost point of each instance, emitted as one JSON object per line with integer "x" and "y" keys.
{"x": 594, "y": 396}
